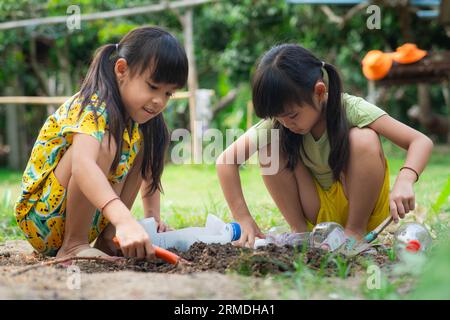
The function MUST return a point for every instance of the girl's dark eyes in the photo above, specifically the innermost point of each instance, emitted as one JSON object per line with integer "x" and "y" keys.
{"x": 153, "y": 87}
{"x": 293, "y": 116}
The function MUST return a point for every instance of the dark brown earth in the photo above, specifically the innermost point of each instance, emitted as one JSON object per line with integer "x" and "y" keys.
{"x": 224, "y": 258}
{"x": 211, "y": 266}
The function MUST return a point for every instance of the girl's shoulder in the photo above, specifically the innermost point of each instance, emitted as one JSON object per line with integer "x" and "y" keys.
{"x": 73, "y": 107}
{"x": 353, "y": 101}
{"x": 359, "y": 111}
{"x": 76, "y": 117}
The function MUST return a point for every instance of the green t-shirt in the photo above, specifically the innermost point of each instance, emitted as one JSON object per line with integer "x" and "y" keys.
{"x": 360, "y": 113}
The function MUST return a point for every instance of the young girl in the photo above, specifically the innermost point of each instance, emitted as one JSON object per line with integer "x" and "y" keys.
{"x": 331, "y": 162}
{"x": 100, "y": 147}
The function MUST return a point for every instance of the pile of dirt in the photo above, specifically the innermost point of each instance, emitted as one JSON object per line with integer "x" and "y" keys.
{"x": 223, "y": 258}
{"x": 26, "y": 275}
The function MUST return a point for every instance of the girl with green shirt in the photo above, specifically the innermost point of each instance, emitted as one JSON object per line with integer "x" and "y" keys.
{"x": 320, "y": 151}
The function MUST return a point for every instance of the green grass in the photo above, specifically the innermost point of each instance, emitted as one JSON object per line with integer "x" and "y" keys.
{"x": 193, "y": 191}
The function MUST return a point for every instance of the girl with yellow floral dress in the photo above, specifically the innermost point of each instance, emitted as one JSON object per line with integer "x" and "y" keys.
{"x": 103, "y": 145}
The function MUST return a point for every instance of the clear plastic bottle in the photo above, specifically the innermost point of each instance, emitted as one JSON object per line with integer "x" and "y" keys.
{"x": 282, "y": 236}
{"x": 215, "y": 231}
{"x": 411, "y": 237}
{"x": 328, "y": 236}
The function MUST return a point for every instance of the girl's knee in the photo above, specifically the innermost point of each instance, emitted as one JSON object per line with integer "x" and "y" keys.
{"x": 365, "y": 141}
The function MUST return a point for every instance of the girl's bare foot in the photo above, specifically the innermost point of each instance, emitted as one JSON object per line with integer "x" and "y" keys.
{"x": 84, "y": 250}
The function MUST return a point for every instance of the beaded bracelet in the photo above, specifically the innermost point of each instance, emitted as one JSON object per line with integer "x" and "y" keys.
{"x": 417, "y": 179}
{"x": 108, "y": 202}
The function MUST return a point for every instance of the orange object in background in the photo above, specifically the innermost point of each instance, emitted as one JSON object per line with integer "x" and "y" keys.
{"x": 408, "y": 53}
{"x": 376, "y": 64}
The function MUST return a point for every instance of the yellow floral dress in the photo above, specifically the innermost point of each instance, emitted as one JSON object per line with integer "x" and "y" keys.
{"x": 40, "y": 208}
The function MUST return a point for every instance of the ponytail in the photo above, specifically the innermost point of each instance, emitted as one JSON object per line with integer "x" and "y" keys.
{"x": 337, "y": 125}
{"x": 101, "y": 80}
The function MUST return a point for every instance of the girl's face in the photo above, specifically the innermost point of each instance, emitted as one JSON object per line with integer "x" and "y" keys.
{"x": 301, "y": 119}
{"x": 142, "y": 97}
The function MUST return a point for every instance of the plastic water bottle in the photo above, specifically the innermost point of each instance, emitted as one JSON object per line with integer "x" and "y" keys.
{"x": 412, "y": 237}
{"x": 281, "y": 236}
{"x": 215, "y": 231}
{"x": 328, "y": 236}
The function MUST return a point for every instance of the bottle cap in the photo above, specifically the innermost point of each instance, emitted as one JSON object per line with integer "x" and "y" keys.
{"x": 236, "y": 231}
{"x": 413, "y": 246}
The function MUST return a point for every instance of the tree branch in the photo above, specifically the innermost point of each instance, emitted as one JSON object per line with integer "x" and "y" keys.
{"x": 341, "y": 21}
{"x": 225, "y": 101}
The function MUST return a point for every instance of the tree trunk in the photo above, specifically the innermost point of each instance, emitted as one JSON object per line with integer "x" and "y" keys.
{"x": 16, "y": 131}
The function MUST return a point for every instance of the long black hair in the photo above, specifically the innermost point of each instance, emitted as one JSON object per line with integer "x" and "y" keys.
{"x": 142, "y": 48}
{"x": 286, "y": 76}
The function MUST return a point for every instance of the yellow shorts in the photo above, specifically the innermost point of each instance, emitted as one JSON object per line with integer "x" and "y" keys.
{"x": 334, "y": 204}
{"x": 41, "y": 217}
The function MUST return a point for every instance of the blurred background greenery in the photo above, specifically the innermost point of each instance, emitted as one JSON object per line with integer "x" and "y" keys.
{"x": 229, "y": 36}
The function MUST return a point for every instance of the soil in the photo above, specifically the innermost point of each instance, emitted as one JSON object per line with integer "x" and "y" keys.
{"x": 210, "y": 266}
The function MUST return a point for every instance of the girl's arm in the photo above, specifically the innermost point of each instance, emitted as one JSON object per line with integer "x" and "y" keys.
{"x": 94, "y": 184}
{"x": 227, "y": 166}
{"x": 418, "y": 147}
{"x": 92, "y": 181}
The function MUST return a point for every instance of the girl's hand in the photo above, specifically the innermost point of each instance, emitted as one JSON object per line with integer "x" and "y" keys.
{"x": 162, "y": 227}
{"x": 402, "y": 198}
{"x": 134, "y": 241}
{"x": 249, "y": 231}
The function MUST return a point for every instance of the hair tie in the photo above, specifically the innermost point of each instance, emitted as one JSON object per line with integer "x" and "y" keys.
{"x": 324, "y": 72}
{"x": 117, "y": 47}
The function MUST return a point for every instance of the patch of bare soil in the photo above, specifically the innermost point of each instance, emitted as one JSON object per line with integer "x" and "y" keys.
{"x": 211, "y": 267}
{"x": 115, "y": 281}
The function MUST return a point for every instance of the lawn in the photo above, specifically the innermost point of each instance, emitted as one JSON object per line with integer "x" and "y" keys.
{"x": 192, "y": 191}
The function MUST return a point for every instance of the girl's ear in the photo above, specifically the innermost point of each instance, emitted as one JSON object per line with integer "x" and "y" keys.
{"x": 320, "y": 91}
{"x": 121, "y": 69}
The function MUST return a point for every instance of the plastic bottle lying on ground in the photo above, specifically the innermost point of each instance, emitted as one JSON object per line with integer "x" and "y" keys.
{"x": 328, "y": 236}
{"x": 215, "y": 231}
{"x": 413, "y": 238}
{"x": 281, "y": 236}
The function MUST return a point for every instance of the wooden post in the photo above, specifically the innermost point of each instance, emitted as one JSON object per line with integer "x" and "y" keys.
{"x": 158, "y": 7}
{"x": 423, "y": 97}
{"x": 372, "y": 92}
{"x": 44, "y": 101}
{"x": 12, "y": 134}
{"x": 187, "y": 21}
